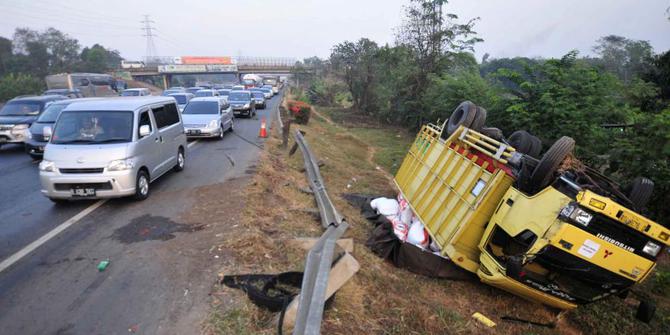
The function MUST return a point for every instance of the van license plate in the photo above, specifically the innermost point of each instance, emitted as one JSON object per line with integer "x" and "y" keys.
{"x": 83, "y": 192}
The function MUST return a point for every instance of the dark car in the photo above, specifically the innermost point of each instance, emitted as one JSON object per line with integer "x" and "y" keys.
{"x": 72, "y": 94}
{"x": 18, "y": 114}
{"x": 39, "y": 132}
{"x": 242, "y": 103}
{"x": 259, "y": 99}
{"x": 194, "y": 89}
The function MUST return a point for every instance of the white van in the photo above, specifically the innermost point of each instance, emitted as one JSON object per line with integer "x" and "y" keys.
{"x": 112, "y": 148}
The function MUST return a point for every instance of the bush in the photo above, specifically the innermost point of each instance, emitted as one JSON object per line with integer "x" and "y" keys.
{"x": 300, "y": 110}
{"x": 12, "y": 85}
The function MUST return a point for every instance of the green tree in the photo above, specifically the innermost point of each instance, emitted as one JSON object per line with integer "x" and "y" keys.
{"x": 99, "y": 59}
{"x": 626, "y": 58}
{"x": 355, "y": 62}
{"x": 564, "y": 96}
{"x": 12, "y": 85}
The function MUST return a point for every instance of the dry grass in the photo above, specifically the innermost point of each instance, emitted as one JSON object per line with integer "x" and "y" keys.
{"x": 380, "y": 299}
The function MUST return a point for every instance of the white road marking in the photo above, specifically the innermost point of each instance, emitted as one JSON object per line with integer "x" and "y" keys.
{"x": 192, "y": 144}
{"x": 46, "y": 237}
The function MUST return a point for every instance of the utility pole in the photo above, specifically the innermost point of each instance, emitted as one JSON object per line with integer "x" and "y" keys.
{"x": 148, "y": 34}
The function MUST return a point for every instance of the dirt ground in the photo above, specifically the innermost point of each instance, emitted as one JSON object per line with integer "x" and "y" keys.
{"x": 380, "y": 299}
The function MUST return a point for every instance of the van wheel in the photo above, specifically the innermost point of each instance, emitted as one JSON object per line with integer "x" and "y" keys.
{"x": 142, "y": 185}
{"x": 221, "y": 132}
{"x": 181, "y": 161}
{"x": 232, "y": 125}
{"x": 552, "y": 159}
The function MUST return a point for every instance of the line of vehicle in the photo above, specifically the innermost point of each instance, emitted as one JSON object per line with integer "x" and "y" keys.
{"x": 51, "y": 234}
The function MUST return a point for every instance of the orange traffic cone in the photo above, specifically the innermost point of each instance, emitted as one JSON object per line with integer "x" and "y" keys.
{"x": 264, "y": 132}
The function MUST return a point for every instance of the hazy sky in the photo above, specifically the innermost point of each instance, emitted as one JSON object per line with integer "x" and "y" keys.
{"x": 301, "y": 28}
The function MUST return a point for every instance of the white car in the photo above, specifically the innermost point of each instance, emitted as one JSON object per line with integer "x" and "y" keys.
{"x": 136, "y": 92}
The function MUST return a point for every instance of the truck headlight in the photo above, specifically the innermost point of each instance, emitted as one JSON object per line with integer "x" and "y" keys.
{"x": 47, "y": 166}
{"x": 120, "y": 165}
{"x": 581, "y": 216}
{"x": 576, "y": 214}
{"x": 651, "y": 249}
{"x": 213, "y": 124}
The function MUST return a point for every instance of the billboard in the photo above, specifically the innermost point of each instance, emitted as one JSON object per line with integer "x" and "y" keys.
{"x": 206, "y": 60}
{"x": 195, "y": 68}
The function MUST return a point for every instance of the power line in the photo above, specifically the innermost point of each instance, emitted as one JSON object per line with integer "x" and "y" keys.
{"x": 148, "y": 34}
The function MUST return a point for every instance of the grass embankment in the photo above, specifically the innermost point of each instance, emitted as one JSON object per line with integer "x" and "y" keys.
{"x": 380, "y": 299}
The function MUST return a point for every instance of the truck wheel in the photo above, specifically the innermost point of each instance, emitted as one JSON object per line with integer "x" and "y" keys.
{"x": 536, "y": 147}
{"x": 463, "y": 115}
{"x": 480, "y": 119}
{"x": 545, "y": 169}
{"x": 645, "y": 311}
{"x": 493, "y": 133}
{"x": 522, "y": 141}
{"x": 640, "y": 192}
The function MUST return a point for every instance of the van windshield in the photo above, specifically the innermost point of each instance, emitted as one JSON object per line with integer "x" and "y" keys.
{"x": 51, "y": 113}
{"x": 201, "y": 107}
{"x": 93, "y": 127}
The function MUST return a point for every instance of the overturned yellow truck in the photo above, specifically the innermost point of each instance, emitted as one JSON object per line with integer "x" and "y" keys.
{"x": 546, "y": 228}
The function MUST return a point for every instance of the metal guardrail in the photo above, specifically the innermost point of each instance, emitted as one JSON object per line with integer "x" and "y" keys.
{"x": 320, "y": 257}
{"x": 329, "y": 215}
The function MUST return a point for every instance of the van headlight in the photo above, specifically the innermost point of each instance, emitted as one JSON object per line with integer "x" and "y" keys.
{"x": 47, "y": 166}
{"x": 213, "y": 124}
{"x": 246, "y": 105}
{"x": 120, "y": 165}
{"x": 651, "y": 249}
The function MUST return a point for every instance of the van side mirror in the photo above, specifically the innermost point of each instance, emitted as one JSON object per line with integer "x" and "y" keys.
{"x": 145, "y": 130}
{"x": 513, "y": 267}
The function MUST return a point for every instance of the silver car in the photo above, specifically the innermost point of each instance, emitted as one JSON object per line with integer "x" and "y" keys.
{"x": 207, "y": 117}
{"x": 112, "y": 148}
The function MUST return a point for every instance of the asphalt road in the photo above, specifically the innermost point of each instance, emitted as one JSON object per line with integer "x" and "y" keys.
{"x": 151, "y": 286}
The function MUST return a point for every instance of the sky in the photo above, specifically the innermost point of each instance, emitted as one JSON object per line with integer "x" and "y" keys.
{"x": 303, "y": 28}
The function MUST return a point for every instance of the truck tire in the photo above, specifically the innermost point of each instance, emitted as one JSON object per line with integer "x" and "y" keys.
{"x": 480, "y": 119}
{"x": 545, "y": 169}
{"x": 493, "y": 133}
{"x": 463, "y": 115}
{"x": 522, "y": 141}
{"x": 640, "y": 192}
{"x": 645, "y": 311}
{"x": 536, "y": 147}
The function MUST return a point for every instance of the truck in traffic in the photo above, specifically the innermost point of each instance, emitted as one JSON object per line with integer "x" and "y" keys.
{"x": 89, "y": 84}
{"x": 252, "y": 80}
{"x": 546, "y": 228}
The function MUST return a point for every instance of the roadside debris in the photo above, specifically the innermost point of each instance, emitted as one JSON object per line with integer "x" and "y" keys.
{"x": 103, "y": 265}
{"x": 483, "y": 320}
